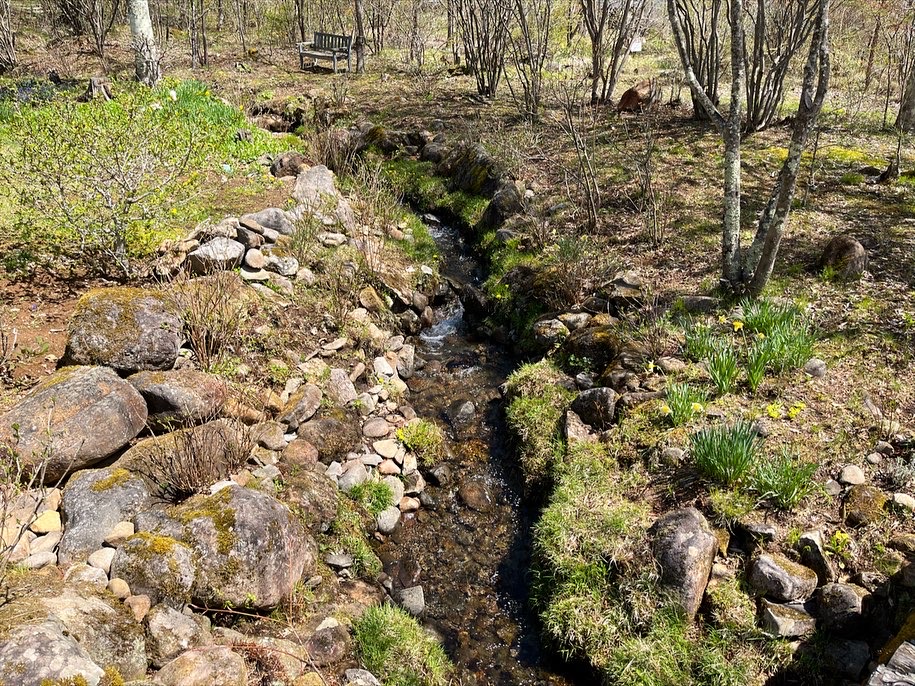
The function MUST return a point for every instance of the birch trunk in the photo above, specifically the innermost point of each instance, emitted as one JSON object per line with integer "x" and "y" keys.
{"x": 906, "y": 119}
{"x": 7, "y": 38}
{"x": 359, "y": 45}
{"x": 144, "y": 42}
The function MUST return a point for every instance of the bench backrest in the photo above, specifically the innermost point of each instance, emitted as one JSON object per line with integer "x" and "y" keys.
{"x": 332, "y": 41}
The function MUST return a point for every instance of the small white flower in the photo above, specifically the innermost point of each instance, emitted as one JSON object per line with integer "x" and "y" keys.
{"x": 173, "y": 95}
{"x": 155, "y": 106}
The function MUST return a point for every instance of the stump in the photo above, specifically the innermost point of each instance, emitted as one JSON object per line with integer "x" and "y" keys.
{"x": 99, "y": 87}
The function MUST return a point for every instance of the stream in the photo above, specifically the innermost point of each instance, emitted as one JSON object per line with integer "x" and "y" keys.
{"x": 469, "y": 546}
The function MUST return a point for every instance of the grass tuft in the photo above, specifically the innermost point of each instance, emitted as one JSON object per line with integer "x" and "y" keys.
{"x": 424, "y": 438}
{"x": 683, "y": 401}
{"x": 725, "y": 454}
{"x": 785, "y": 480}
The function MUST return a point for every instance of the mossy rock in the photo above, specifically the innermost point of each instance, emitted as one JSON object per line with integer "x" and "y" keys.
{"x": 127, "y": 329}
{"x": 864, "y": 505}
{"x": 600, "y": 345}
{"x": 156, "y": 565}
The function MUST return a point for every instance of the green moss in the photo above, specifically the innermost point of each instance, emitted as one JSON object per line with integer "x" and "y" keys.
{"x": 424, "y": 438}
{"x": 116, "y": 478}
{"x": 374, "y": 496}
{"x": 155, "y": 544}
{"x": 217, "y": 509}
{"x": 393, "y": 646}
{"x": 348, "y": 532}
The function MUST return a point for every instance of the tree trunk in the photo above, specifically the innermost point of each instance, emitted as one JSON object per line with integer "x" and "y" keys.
{"x": 359, "y": 43}
{"x": 7, "y": 39}
{"x": 906, "y": 118}
{"x": 144, "y": 42}
{"x": 871, "y": 52}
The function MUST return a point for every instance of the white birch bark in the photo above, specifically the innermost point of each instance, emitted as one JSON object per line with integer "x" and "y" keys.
{"x": 144, "y": 42}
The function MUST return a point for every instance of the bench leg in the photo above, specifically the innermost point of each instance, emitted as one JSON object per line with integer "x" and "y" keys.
{"x": 335, "y": 64}
{"x": 349, "y": 63}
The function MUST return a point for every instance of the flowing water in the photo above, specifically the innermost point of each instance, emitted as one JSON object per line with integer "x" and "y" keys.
{"x": 472, "y": 561}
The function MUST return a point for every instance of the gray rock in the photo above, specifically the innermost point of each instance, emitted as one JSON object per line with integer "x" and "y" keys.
{"x": 77, "y": 417}
{"x": 273, "y": 218}
{"x": 852, "y": 475}
{"x": 406, "y": 361}
{"x": 255, "y": 260}
{"x": 813, "y": 555}
{"x": 376, "y": 428}
{"x": 216, "y": 665}
{"x": 170, "y": 632}
{"x": 474, "y": 493}
{"x": 778, "y": 578}
{"x": 94, "y": 501}
{"x": 387, "y": 519}
{"x": 127, "y": 329}
{"x": 360, "y": 677}
{"x": 840, "y": 607}
{"x": 301, "y": 406}
{"x": 339, "y": 560}
{"x": 832, "y": 487}
{"x": 846, "y": 659}
{"x": 216, "y": 255}
{"x": 786, "y": 621}
{"x": 845, "y": 256}
{"x": 397, "y": 487}
{"x": 33, "y": 655}
{"x": 101, "y": 559}
{"x": 157, "y": 566}
{"x": 685, "y": 547}
{"x": 39, "y": 560}
{"x": 699, "y": 304}
{"x": 411, "y": 599}
{"x": 254, "y": 275}
{"x": 354, "y": 476}
{"x": 461, "y": 411}
{"x": 339, "y": 387}
{"x": 440, "y": 475}
{"x": 249, "y": 548}
{"x": 548, "y": 333}
{"x": 899, "y": 669}
{"x": 85, "y": 575}
{"x": 328, "y": 646}
{"x": 815, "y": 367}
{"x": 596, "y": 407}
{"x": 269, "y": 435}
{"x": 316, "y": 192}
{"x": 179, "y": 397}
{"x": 383, "y": 368}
{"x": 282, "y": 265}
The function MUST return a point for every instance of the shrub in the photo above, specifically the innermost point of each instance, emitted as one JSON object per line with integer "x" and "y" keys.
{"x": 725, "y": 454}
{"x": 784, "y": 480}
{"x": 394, "y": 647}
{"x": 683, "y": 401}
{"x": 374, "y": 496}
{"x": 424, "y": 438}
{"x": 722, "y": 367}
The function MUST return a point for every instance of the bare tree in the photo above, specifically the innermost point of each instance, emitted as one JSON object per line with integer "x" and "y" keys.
{"x": 611, "y": 26}
{"x": 484, "y": 30}
{"x": 379, "y": 14}
{"x": 197, "y": 32}
{"x": 701, "y": 21}
{"x": 905, "y": 120}
{"x": 146, "y": 54}
{"x": 359, "y": 42}
{"x": 7, "y": 39}
{"x": 749, "y": 270}
{"x": 529, "y": 47}
{"x": 779, "y": 30}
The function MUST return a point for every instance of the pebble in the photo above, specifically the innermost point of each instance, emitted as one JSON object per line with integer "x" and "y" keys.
{"x": 885, "y": 448}
{"x": 339, "y": 560}
{"x": 101, "y": 559}
{"x": 832, "y": 487}
{"x": 46, "y": 522}
{"x": 376, "y": 428}
{"x": 852, "y": 475}
{"x": 396, "y": 486}
{"x": 336, "y": 344}
{"x": 408, "y": 504}
{"x": 815, "y": 367}
{"x": 409, "y": 463}
{"x": 383, "y": 368}
{"x": 119, "y": 533}
{"x": 440, "y": 475}
{"x": 119, "y": 588}
{"x": 407, "y": 412}
{"x": 874, "y": 458}
{"x": 412, "y": 599}
{"x": 334, "y": 469}
{"x": 139, "y": 605}
{"x": 904, "y": 500}
{"x": 387, "y": 448}
{"x": 388, "y": 467}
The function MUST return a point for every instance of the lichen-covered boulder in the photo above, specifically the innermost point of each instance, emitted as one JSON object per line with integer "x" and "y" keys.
{"x": 864, "y": 505}
{"x": 314, "y": 496}
{"x": 598, "y": 344}
{"x": 844, "y": 257}
{"x": 127, "y": 329}
{"x": 157, "y": 566}
{"x": 179, "y": 397}
{"x": 210, "y": 666}
{"x": 104, "y": 630}
{"x": 38, "y": 654}
{"x": 93, "y": 502}
{"x": 316, "y": 194}
{"x": 249, "y": 549}
{"x": 471, "y": 169}
{"x": 684, "y": 546}
{"x": 596, "y": 407}
{"x": 75, "y": 418}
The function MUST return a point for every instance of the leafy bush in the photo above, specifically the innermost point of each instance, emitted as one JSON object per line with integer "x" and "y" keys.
{"x": 785, "y": 481}
{"x": 426, "y": 439}
{"x": 683, "y": 401}
{"x": 394, "y": 647}
{"x": 725, "y": 454}
{"x": 107, "y": 181}
{"x": 374, "y": 496}
{"x": 722, "y": 367}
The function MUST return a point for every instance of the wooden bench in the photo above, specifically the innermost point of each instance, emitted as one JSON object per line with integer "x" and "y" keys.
{"x": 326, "y": 46}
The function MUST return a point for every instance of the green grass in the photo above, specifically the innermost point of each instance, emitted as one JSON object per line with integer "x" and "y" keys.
{"x": 725, "y": 454}
{"x": 395, "y": 648}
{"x": 700, "y": 341}
{"x": 374, "y": 496}
{"x": 425, "y": 439}
{"x": 784, "y": 480}
{"x": 348, "y": 532}
{"x": 683, "y": 401}
{"x": 722, "y": 367}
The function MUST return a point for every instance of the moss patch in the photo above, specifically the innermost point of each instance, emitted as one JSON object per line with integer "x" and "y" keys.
{"x": 116, "y": 478}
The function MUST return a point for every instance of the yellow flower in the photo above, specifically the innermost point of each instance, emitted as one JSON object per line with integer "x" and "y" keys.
{"x": 760, "y": 335}
{"x": 697, "y": 407}
{"x": 665, "y": 409}
{"x": 722, "y": 319}
{"x": 738, "y": 325}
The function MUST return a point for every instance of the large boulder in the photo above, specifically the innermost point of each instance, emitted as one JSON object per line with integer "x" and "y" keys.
{"x": 899, "y": 669}
{"x": 506, "y": 202}
{"x": 684, "y": 546}
{"x": 844, "y": 257}
{"x": 179, "y": 397}
{"x": 127, "y": 329}
{"x": 841, "y": 606}
{"x": 93, "y": 502}
{"x": 597, "y": 344}
{"x": 156, "y": 566}
{"x": 104, "y": 630}
{"x": 471, "y": 169}
{"x": 75, "y": 418}
{"x": 249, "y": 549}
{"x": 596, "y": 407}
{"x": 216, "y": 255}
{"x": 213, "y": 666}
